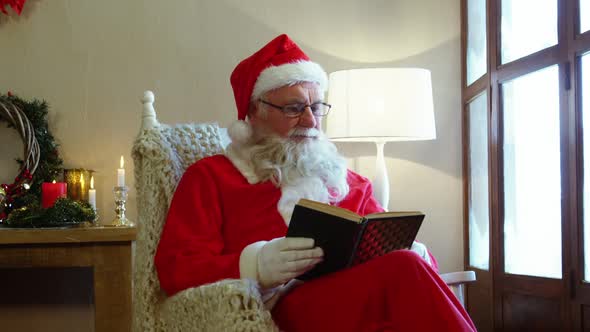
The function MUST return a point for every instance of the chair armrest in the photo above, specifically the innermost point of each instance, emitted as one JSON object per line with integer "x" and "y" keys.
{"x": 226, "y": 305}
{"x": 454, "y": 278}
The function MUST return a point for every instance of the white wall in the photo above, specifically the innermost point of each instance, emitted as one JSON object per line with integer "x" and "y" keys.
{"x": 92, "y": 60}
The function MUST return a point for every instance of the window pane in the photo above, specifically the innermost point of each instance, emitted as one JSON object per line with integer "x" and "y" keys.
{"x": 525, "y": 32}
{"x": 584, "y": 15}
{"x": 586, "y": 131}
{"x": 532, "y": 177}
{"x": 479, "y": 223}
{"x": 476, "y": 40}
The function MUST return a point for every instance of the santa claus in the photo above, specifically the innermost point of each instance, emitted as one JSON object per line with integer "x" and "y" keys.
{"x": 230, "y": 213}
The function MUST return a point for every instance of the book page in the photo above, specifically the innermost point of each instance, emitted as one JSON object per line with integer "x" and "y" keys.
{"x": 330, "y": 209}
{"x": 393, "y": 214}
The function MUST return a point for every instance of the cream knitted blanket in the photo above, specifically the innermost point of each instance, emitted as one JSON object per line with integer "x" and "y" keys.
{"x": 161, "y": 155}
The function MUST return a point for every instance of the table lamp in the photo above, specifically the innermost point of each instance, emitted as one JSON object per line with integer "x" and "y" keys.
{"x": 381, "y": 105}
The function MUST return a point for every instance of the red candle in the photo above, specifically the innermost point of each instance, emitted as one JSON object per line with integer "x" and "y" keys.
{"x": 50, "y": 192}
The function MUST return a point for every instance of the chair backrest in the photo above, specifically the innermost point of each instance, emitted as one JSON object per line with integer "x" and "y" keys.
{"x": 161, "y": 154}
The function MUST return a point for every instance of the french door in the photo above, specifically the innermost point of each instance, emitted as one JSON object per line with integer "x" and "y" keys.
{"x": 526, "y": 102}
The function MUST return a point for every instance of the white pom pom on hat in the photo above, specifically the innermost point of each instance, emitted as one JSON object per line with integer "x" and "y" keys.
{"x": 240, "y": 131}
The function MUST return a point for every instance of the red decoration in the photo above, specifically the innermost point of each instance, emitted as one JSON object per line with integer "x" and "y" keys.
{"x": 16, "y": 5}
{"x": 50, "y": 192}
{"x": 17, "y": 188}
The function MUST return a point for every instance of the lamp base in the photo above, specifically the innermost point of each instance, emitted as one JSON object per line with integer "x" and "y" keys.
{"x": 381, "y": 182}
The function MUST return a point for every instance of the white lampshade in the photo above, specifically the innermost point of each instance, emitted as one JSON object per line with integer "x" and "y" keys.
{"x": 381, "y": 104}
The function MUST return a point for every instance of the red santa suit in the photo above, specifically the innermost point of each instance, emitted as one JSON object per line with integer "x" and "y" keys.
{"x": 216, "y": 212}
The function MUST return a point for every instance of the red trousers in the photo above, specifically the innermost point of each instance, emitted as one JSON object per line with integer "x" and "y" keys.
{"x": 395, "y": 292}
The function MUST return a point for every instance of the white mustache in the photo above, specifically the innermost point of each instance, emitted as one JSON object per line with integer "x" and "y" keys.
{"x": 305, "y": 132}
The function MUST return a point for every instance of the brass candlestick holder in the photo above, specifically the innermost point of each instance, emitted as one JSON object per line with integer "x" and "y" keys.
{"x": 120, "y": 200}
{"x": 96, "y": 218}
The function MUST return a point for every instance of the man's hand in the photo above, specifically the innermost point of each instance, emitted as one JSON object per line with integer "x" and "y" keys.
{"x": 283, "y": 259}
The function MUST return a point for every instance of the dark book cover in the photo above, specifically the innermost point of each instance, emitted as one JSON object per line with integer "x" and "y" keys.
{"x": 381, "y": 236}
{"x": 335, "y": 235}
{"x": 347, "y": 242}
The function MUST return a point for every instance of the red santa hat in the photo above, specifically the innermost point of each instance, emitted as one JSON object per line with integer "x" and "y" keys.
{"x": 279, "y": 63}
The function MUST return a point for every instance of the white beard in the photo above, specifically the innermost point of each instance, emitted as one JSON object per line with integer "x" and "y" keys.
{"x": 310, "y": 168}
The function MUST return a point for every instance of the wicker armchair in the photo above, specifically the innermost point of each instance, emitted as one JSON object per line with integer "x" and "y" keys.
{"x": 161, "y": 153}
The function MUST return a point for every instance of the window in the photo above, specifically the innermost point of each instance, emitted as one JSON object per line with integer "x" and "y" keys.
{"x": 525, "y": 32}
{"x": 476, "y": 40}
{"x": 526, "y": 139}
{"x": 532, "y": 181}
{"x": 585, "y": 80}
{"x": 584, "y": 15}
{"x": 479, "y": 223}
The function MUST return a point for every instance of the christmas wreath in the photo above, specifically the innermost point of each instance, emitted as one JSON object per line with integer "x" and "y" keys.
{"x": 19, "y": 201}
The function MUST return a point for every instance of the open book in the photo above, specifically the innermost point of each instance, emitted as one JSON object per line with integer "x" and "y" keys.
{"x": 349, "y": 239}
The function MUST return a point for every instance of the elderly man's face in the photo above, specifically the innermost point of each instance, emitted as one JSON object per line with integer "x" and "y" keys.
{"x": 266, "y": 117}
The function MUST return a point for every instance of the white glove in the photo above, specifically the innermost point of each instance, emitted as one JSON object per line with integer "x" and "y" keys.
{"x": 421, "y": 250}
{"x": 283, "y": 259}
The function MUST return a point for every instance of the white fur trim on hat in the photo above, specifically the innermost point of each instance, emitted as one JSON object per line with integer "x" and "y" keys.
{"x": 275, "y": 77}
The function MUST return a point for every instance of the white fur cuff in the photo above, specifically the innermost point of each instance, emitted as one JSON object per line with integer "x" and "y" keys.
{"x": 249, "y": 260}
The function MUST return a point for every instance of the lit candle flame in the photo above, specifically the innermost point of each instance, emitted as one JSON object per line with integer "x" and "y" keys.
{"x": 92, "y": 182}
{"x": 122, "y": 163}
{"x": 53, "y": 181}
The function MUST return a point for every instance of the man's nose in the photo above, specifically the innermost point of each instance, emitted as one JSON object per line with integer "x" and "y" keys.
{"x": 307, "y": 119}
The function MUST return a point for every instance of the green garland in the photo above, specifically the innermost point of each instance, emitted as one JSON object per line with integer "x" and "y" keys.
{"x": 23, "y": 210}
{"x": 64, "y": 212}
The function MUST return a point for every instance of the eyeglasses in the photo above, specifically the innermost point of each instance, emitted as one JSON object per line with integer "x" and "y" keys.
{"x": 296, "y": 110}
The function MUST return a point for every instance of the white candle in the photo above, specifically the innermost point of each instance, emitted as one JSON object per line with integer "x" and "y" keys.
{"x": 121, "y": 174}
{"x": 92, "y": 194}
